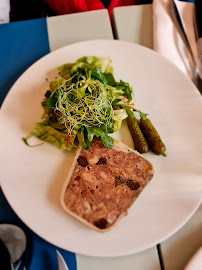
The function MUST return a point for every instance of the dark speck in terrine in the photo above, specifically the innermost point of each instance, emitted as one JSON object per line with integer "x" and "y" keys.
{"x": 101, "y": 223}
{"x": 82, "y": 161}
{"x": 132, "y": 185}
{"x": 101, "y": 161}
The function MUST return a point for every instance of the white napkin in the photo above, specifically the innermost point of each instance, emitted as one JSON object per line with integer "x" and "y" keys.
{"x": 166, "y": 39}
{"x": 4, "y": 11}
{"x": 196, "y": 261}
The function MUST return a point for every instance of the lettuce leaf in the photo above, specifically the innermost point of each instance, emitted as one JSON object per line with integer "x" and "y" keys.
{"x": 65, "y": 70}
{"x": 52, "y": 100}
{"x": 109, "y": 78}
{"x": 55, "y": 84}
{"x": 117, "y": 125}
{"x": 98, "y": 132}
{"x": 126, "y": 89}
{"x": 103, "y": 63}
{"x": 96, "y": 74}
{"x": 48, "y": 134}
{"x": 120, "y": 114}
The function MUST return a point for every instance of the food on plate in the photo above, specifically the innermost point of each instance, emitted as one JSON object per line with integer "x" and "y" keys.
{"x": 85, "y": 101}
{"x": 145, "y": 136}
{"x": 154, "y": 140}
{"x": 103, "y": 183}
{"x": 139, "y": 140}
{"x": 82, "y": 107}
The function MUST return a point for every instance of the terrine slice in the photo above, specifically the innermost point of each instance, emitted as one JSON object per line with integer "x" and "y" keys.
{"x": 103, "y": 183}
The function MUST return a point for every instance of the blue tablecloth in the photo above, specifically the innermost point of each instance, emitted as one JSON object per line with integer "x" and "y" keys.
{"x": 22, "y": 44}
{"x": 41, "y": 254}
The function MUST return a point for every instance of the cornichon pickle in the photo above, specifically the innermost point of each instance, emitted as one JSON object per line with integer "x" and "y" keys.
{"x": 139, "y": 140}
{"x": 153, "y": 138}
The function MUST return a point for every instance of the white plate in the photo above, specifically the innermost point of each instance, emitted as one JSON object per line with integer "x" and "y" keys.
{"x": 32, "y": 178}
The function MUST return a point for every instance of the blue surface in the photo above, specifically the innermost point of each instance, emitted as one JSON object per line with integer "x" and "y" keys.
{"x": 22, "y": 44}
{"x": 41, "y": 254}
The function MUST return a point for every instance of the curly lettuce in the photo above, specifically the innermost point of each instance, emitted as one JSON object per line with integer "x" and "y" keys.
{"x": 84, "y": 102}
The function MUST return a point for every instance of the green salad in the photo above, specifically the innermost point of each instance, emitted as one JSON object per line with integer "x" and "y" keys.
{"x": 85, "y": 101}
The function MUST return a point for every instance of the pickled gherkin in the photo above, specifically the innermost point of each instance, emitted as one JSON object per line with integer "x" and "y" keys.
{"x": 139, "y": 140}
{"x": 153, "y": 138}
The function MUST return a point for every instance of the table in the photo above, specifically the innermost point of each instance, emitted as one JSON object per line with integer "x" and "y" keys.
{"x": 174, "y": 252}
{"x": 34, "y": 39}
